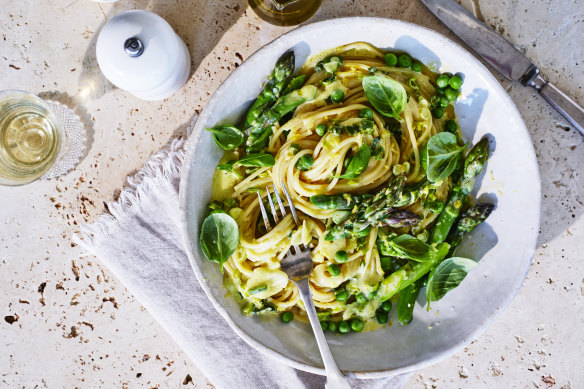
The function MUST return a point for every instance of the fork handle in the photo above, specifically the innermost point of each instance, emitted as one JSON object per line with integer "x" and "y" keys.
{"x": 334, "y": 378}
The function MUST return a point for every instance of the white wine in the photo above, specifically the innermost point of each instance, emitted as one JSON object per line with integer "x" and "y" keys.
{"x": 285, "y": 12}
{"x": 29, "y": 138}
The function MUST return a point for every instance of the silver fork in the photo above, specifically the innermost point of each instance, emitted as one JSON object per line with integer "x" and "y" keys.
{"x": 298, "y": 265}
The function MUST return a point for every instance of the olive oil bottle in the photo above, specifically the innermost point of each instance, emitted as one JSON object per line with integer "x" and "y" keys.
{"x": 285, "y": 12}
{"x": 29, "y": 138}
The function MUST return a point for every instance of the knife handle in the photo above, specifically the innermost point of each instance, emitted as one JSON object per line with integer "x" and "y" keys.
{"x": 558, "y": 99}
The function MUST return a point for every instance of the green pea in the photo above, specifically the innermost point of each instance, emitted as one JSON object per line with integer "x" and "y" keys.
{"x": 444, "y": 102}
{"x": 332, "y": 325}
{"x": 440, "y": 91}
{"x": 344, "y": 327}
{"x": 286, "y": 317}
{"x": 382, "y": 317}
{"x": 342, "y": 295}
{"x": 455, "y": 82}
{"x": 448, "y": 74}
{"x": 294, "y": 148}
{"x": 366, "y": 113}
{"x": 334, "y": 269}
{"x": 390, "y": 59}
{"x": 337, "y": 96}
{"x": 438, "y": 112}
{"x": 442, "y": 81}
{"x": 450, "y": 126}
{"x": 417, "y": 67}
{"x": 404, "y": 61}
{"x": 324, "y": 325}
{"x": 341, "y": 256}
{"x": 360, "y": 298}
{"x": 451, "y": 94}
{"x": 357, "y": 325}
{"x": 434, "y": 101}
{"x": 305, "y": 162}
{"x": 321, "y": 129}
{"x": 385, "y": 306}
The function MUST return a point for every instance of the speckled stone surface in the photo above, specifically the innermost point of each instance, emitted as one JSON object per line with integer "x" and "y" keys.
{"x": 66, "y": 321}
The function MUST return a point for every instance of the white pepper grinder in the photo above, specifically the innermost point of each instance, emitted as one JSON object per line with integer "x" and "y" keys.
{"x": 138, "y": 51}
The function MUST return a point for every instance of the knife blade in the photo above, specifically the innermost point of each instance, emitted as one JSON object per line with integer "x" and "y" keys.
{"x": 501, "y": 54}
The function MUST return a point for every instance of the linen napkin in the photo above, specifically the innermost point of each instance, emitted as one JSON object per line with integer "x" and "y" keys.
{"x": 140, "y": 241}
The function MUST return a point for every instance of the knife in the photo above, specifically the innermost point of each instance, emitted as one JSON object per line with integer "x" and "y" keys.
{"x": 504, "y": 57}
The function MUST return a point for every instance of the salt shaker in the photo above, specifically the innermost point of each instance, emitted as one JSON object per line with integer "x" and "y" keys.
{"x": 138, "y": 51}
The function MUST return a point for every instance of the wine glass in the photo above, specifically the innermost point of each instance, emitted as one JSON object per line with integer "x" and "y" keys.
{"x": 285, "y": 12}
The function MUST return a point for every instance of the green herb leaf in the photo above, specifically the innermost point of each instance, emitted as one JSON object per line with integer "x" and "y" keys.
{"x": 447, "y": 276}
{"x": 227, "y": 137}
{"x": 386, "y": 95}
{"x": 219, "y": 237}
{"x": 227, "y": 166}
{"x": 257, "y": 160}
{"x": 410, "y": 247}
{"x": 358, "y": 163}
{"x": 440, "y": 156}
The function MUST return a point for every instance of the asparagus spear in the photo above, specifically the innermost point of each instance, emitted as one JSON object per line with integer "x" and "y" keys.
{"x": 295, "y": 83}
{"x": 409, "y": 273}
{"x": 260, "y": 133}
{"x": 273, "y": 88}
{"x": 467, "y": 222}
{"x": 338, "y": 201}
{"x": 413, "y": 192}
{"x": 407, "y": 301}
{"x": 473, "y": 165}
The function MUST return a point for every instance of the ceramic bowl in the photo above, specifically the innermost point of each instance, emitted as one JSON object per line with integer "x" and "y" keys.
{"x": 504, "y": 245}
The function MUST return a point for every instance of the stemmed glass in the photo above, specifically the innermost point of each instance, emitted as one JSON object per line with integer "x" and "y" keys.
{"x": 285, "y": 12}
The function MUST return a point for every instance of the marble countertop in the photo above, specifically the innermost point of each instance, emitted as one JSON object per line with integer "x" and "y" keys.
{"x": 66, "y": 321}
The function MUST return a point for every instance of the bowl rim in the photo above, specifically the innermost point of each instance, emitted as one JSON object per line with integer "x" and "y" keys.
{"x": 191, "y": 147}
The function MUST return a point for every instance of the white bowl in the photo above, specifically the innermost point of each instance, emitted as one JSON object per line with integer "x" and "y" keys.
{"x": 504, "y": 245}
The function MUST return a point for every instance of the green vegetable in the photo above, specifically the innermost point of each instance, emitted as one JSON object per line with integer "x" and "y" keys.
{"x": 330, "y": 64}
{"x": 360, "y": 298}
{"x": 227, "y": 137}
{"x": 340, "y": 216}
{"x": 440, "y": 91}
{"x": 257, "y": 160}
{"x": 247, "y": 309}
{"x": 287, "y": 317}
{"x": 438, "y": 112}
{"x": 455, "y": 82}
{"x": 344, "y": 327}
{"x": 305, "y": 162}
{"x": 228, "y": 166}
{"x": 364, "y": 126}
{"x": 409, "y": 273}
{"x": 219, "y": 237}
{"x": 417, "y": 67}
{"x": 473, "y": 164}
{"x": 321, "y": 129}
{"x": 413, "y": 83}
{"x": 357, "y": 325}
{"x": 341, "y": 256}
{"x": 257, "y": 289}
{"x": 390, "y": 59}
{"x": 382, "y": 317}
{"x": 444, "y": 102}
{"x": 447, "y": 276}
{"x": 260, "y": 132}
{"x": 406, "y": 302}
{"x": 468, "y": 222}
{"x": 407, "y": 246}
{"x": 334, "y": 269}
{"x": 442, "y": 81}
{"x": 385, "y": 306}
{"x": 404, "y": 61}
{"x": 295, "y": 83}
{"x": 450, "y": 126}
{"x": 338, "y": 201}
{"x": 440, "y": 156}
{"x": 358, "y": 163}
{"x": 451, "y": 94}
{"x": 337, "y": 96}
{"x": 386, "y": 95}
{"x": 324, "y": 325}
{"x": 342, "y": 295}
{"x": 366, "y": 113}
{"x": 332, "y": 326}
{"x": 271, "y": 91}
{"x": 294, "y": 149}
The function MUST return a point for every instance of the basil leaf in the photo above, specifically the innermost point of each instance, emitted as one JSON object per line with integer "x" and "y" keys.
{"x": 219, "y": 237}
{"x": 358, "y": 163}
{"x": 227, "y": 137}
{"x": 386, "y": 95}
{"x": 257, "y": 160}
{"x": 227, "y": 166}
{"x": 440, "y": 156}
{"x": 410, "y": 247}
{"x": 447, "y": 276}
